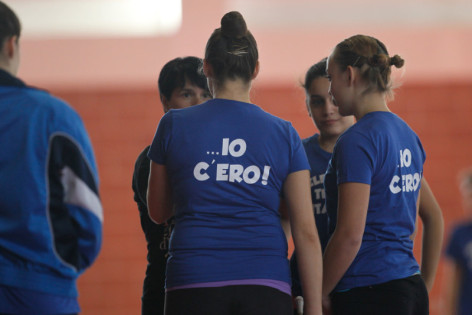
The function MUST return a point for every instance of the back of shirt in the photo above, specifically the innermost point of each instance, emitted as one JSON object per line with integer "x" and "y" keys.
{"x": 51, "y": 214}
{"x": 382, "y": 151}
{"x": 227, "y": 162}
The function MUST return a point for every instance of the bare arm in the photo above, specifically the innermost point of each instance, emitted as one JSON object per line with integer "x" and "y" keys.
{"x": 305, "y": 237}
{"x": 347, "y": 237}
{"x": 159, "y": 195}
{"x": 433, "y": 230}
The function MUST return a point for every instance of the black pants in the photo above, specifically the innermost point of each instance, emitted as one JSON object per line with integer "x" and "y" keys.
{"x": 406, "y": 296}
{"x": 228, "y": 300}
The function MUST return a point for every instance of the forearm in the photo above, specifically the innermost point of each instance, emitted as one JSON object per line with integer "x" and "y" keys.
{"x": 308, "y": 251}
{"x": 433, "y": 230}
{"x": 431, "y": 251}
{"x": 305, "y": 238}
{"x": 347, "y": 237}
{"x": 338, "y": 256}
{"x": 158, "y": 212}
{"x": 159, "y": 194}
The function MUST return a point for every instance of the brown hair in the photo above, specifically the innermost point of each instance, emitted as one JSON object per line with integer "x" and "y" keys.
{"x": 232, "y": 50}
{"x": 318, "y": 70}
{"x": 371, "y": 56}
{"x": 9, "y": 23}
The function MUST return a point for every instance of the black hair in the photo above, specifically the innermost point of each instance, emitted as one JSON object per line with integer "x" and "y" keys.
{"x": 177, "y": 72}
{"x": 318, "y": 70}
{"x": 9, "y": 24}
{"x": 232, "y": 50}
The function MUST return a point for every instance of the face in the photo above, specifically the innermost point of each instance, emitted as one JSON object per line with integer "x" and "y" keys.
{"x": 322, "y": 110}
{"x": 338, "y": 88}
{"x": 189, "y": 95}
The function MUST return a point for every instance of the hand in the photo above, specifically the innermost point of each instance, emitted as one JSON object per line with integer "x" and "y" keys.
{"x": 326, "y": 302}
{"x": 299, "y": 305}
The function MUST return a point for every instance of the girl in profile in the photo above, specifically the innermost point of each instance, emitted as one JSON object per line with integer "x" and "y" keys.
{"x": 372, "y": 183}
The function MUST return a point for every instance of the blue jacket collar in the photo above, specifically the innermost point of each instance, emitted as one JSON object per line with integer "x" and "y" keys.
{"x": 6, "y": 79}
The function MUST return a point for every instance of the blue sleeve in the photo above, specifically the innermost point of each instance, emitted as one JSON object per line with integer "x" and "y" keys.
{"x": 158, "y": 149}
{"x": 354, "y": 159}
{"x": 299, "y": 161}
{"x": 75, "y": 209}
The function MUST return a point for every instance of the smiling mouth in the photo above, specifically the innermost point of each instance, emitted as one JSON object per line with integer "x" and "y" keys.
{"x": 330, "y": 122}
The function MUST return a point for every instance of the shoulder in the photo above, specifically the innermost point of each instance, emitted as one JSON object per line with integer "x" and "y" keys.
{"x": 359, "y": 132}
{"x": 463, "y": 228}
{"x": 143, "y": 158}
{"x": 51, "y": 104}
{"x": 311, "y": 141}
{"x": 43, "y": 97}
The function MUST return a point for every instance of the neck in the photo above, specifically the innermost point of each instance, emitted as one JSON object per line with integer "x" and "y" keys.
{"x": 6, "y": 67}
{"x": 327, "y": 142}
{"x": 236, "y": 90}
{"x": 371, "y": 102}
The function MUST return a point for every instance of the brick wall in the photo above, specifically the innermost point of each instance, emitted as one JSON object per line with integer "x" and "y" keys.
{"x": 122, "y": 122}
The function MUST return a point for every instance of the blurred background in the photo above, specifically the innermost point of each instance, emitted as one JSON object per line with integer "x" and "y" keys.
{"x": 104, "y": 56}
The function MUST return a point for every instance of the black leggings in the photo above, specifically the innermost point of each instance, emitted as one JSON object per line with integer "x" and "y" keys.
{"x": 228, "y": 300}
{"x": 406, "y": 296}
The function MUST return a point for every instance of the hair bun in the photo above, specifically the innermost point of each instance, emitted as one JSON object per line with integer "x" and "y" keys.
{"x": 233, "y": 25}
{"x": 397, "y": 61}
{"x": 379, "y": 61}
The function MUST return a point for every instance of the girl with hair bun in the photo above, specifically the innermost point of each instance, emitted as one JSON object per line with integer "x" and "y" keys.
{"x": 221, "y": 168}
{"x": 372, "y": 183}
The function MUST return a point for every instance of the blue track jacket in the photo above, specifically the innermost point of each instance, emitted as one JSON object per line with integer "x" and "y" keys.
{"x": 50, "y": 211}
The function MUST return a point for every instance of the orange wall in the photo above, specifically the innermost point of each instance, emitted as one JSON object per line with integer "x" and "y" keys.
{"x": 121, "y": 122}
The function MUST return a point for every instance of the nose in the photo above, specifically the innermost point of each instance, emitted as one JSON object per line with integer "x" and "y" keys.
{"x": 330, "y": 92}
{"x": 196, "y": 100}
{"x": 329, "y": 107}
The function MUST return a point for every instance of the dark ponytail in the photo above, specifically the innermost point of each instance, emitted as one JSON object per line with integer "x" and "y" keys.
{"x": 232, "y": 50}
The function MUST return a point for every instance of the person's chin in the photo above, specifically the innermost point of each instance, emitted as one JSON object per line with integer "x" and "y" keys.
{"x": 332, "y": 130}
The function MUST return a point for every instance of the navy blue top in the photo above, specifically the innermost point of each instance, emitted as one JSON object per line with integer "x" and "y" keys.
{"x": 50, "y": 210}
{"x": 460, "y": 250}
{"x": 227, "y": 162}
{"x": 382, "y": 151}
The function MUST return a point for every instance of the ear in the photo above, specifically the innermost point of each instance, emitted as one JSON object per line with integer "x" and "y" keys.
{"x": 256, "y": 70}
{"x": 308, "y": 110}
{"x": 308, "y": 107}
{"x": 351, "y": 75}
{"x": 11, "y": 46}
{"x": 165, "y": 103}
{"x": 207, "y": 69}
